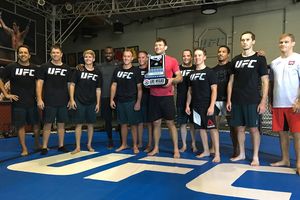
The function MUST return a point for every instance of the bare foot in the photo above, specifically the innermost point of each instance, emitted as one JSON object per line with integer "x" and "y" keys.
{"x": 204, "y": 154}
{"x": 75, "y": 151}
{"x": 136, "y": 150}
{"x": 298, "y": 171}
{"x": 194, "y": 148}
{"x": 183, "y": 149}
{"x": 153, "y": 152}
{"x": 281, "y": 163}
{"x": 121, "y": 148}
{"x": 176, "y": 154}
{"x": 37, "y": 147}
{"x": 237, "y": 158}
{"x": 90, "y": 148}
{"x": 212, "y": 150}
{"x": 24, "y": 153}
{"x": 216, "y": 159}
{"x": 148, "y": 149}
{"x": 255, "y": 162}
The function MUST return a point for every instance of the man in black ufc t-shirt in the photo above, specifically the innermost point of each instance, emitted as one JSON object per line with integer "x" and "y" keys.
{"x": 85, "y": 92}
{"x": 144, "y": 111}
{"x": 182, "y": 88}
{"x": 249, "y": 70}
{"x": 53, "y": 97}
{"x": 22, "y": 76}
{"x": 203, "y": 93}
{"x": 126, "y": 94}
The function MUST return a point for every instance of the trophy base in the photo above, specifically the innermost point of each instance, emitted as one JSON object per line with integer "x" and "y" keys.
{"x": 155, "y": 82}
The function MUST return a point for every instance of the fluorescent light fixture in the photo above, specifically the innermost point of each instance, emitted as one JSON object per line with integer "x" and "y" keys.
{"x": 209, "y": 9}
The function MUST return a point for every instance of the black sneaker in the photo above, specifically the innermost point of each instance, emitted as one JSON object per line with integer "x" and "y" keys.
{"x": 63, "y": 149}
{"x": 44, "y": 151}
{"x": 110, "y": 144}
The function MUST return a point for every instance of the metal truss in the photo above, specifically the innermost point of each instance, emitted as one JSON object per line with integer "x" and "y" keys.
{"x": 110, "y": 7}
{"x": 54, "y": 14}
{"x": 107, "y": 8}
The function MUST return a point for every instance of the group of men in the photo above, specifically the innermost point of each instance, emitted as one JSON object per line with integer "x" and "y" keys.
{"x": 237, "y": 89}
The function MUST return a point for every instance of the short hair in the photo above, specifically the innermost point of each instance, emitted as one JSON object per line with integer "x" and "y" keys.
{"x": 144, "y": 52}
{"x": 159, "y": 39}
{"x": 129, "y": 50}
{"x": 109, "y": 47}
{"x": 248, "y": 32}
{"x": 55, "y": 46}
{"x": 89, "y": 52}
{"x": 201, "y": 49}
{"x": 23, "y": 46}
{"x": 290, "y": 35}
{"x": 188, "y": 51}
{"x": 226, "y": 47}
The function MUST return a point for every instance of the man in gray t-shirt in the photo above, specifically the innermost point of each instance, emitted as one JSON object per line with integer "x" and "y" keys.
{"x": 107, "y": 68}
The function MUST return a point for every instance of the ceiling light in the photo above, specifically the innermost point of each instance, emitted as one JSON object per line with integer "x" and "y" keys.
{"x": 68, "y": 6}
{"x": 209, "y": 9}
{"x": 41, "y": 2}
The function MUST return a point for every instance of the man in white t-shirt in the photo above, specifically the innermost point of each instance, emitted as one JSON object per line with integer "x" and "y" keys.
{"x": 286, "y": 98}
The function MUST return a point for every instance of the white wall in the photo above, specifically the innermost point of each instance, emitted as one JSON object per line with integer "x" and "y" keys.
{"x": 266, "y": 18}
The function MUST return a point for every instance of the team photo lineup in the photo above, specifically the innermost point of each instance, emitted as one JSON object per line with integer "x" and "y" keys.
{"x": 187, "y": 97}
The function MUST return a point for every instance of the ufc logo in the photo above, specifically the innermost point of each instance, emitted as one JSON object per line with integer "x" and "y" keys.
{"x": 85, "y": 75}
{"x": 57, "y": 71}
{"x": 230, "y": 172}
{"x": 186, "y": 72}
{"x": 245, "y": 63}
{"x": 126, "y": 75}
{"x": 198, "y": 76}
{"x": 24, "y": 72}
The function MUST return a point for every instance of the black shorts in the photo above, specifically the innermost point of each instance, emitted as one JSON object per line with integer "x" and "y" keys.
{"x": 25, "y": 116}
{"x": 182, "y": 117}
{"x": 161, "y": 107}
{"x": 84, "y": 114}
{"x": 207, "y": 121}
{"x": 59, "y": 113}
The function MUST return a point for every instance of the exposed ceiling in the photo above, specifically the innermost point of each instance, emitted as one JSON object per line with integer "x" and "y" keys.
{"x": 101, "y": 14}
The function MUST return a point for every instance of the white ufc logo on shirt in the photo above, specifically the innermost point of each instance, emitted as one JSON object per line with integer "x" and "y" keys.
{"x": 198, "y": 76}
{"x": 186, "y": 72}
{"x": 24, "y": 72}
{"x": 57, "y": 71}
{"x": 126, "y": 75}
{"x": 85, "y": 75}
{"x": 245, "y": 63}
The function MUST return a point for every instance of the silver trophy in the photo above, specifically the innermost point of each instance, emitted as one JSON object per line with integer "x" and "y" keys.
{"x": 156, "y": 71}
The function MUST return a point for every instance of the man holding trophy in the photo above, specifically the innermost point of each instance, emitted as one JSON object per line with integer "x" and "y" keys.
{"x": 163, "y": 74}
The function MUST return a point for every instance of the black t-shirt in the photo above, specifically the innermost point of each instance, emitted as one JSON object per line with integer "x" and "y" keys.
{"x": 55, "y": 87}
{"x": 183, "y": 87}
{"x": 22, "y": 83}
{"x": 201, "y": 82}
{"x": 146, "y": 91}
{"x": 127, "y": 80}
{"x": 86, "y": 83}
{"x": 247, "y": 75}
{"x": 223, "y": 73}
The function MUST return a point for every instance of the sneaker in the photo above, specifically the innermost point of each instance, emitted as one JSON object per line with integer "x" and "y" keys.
{"x": 63, "y": 149}
{"x": 44, "y": 151}
{"x": 110, "y": 144}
